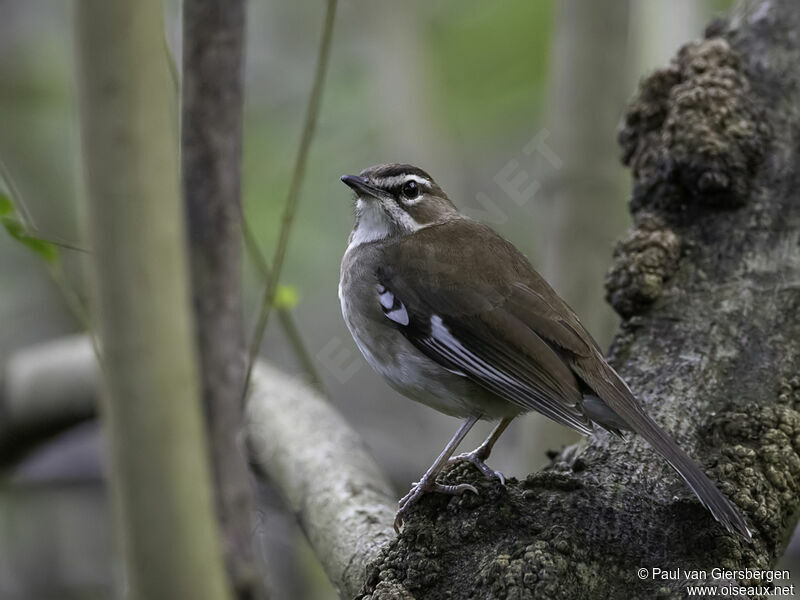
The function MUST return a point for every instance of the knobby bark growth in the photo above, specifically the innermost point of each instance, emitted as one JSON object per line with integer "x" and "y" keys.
{"x": 211, "y": 149}
{"x": 708, "y": 284}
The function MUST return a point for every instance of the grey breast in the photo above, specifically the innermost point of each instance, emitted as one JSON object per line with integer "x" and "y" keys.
{"x": 373, "y": 316}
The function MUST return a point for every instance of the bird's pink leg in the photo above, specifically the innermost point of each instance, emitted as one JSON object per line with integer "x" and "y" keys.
{"x": 482, "y": 452}
{"x": 428, "y": 481}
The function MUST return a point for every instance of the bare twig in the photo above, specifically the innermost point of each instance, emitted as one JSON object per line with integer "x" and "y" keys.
{"x": 75, "y": 306}
{"x": 284, "y": 315}
{"x": 54, "y": 269}
{"x": 26, "y": 217}
{"x": 16, "y": 198}
{"x": 312, "y": 112}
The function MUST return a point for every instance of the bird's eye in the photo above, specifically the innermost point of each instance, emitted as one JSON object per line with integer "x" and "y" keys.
{"x": 410, "y": 190}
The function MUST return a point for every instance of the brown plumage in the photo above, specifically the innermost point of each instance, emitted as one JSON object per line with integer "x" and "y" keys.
{"x": 445, "y": 306}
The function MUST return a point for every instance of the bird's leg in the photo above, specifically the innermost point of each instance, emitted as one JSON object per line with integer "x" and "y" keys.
{"x": 428, "y": 481}
{"x": 482, "y": 452}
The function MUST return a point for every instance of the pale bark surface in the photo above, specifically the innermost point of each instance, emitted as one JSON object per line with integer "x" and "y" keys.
{"x": 708, "y": 283}
{"x": 322, "y": 468}
{"x": 45, "y": 389}
{"x": 329, "y": 481}
{"x": 152, "y": 414}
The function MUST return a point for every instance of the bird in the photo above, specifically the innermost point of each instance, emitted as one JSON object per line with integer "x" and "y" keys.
{"x": 452, "y": 315}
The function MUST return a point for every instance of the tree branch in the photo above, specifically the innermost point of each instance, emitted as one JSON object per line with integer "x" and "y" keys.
{"x": 285, "y": 315}
{"x": 296, "y": 438}
{"x": 341, "y": 499}
{"x": 211, "y": 151}
{"x": 45, "y": 389}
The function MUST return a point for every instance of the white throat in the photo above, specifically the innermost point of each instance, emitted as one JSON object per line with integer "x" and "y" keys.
{"x": 372, "y": 225}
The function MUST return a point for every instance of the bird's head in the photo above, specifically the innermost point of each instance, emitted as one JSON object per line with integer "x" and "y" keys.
{"x": 395, "y": 200}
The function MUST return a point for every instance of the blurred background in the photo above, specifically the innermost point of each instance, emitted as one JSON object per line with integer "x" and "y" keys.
{"x": 513, "y": 107}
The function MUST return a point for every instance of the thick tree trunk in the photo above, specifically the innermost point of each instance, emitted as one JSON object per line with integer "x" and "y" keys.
{"x": 211, "y": 150}
{"x": 708, "y": 282}
{"x": 160, "y": 475}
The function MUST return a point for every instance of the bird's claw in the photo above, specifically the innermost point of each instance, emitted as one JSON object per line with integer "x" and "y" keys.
{"x": 427, "y": 486}
{"x": 476, "y": 457}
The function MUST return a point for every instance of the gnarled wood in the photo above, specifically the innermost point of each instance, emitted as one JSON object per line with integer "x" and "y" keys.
{"x": 709, "y": 285}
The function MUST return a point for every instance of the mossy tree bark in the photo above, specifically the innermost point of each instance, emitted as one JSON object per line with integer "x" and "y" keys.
{"x": 152, "y": 410}
{"x": 211, "y": 149}
{"x": 708, "y": 285}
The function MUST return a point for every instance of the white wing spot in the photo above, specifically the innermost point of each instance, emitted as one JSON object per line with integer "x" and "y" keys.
{"x": 387, "y": 300}
{"x": 392, "y": 307}
{"x": 399, "y": 315}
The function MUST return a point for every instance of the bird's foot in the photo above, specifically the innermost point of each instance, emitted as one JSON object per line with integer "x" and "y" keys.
{"x": 476, "y": 457}
{"x": 421, "y": 487}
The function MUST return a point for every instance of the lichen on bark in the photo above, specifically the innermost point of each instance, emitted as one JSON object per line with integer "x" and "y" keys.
{"x": 708, "y": 284}
{"x": 643, "y": 262}
{"x": 695, "y": 133}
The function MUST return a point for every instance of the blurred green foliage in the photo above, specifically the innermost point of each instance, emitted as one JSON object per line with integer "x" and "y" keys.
{"x": 489, "y": 61}
{"x": 17, "y": 230}
{"x": 286, "y": 296}
{"x": 485, "y": 72}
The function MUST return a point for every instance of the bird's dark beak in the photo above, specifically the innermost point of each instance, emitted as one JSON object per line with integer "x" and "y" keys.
{"x": 361, "y": 186}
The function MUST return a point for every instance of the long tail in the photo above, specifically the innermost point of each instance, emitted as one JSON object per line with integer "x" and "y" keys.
{"x": 618, "y": 400}
{"x": 708, "y": 494}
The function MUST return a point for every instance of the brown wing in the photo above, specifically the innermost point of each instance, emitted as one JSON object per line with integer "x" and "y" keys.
{"x": 476, "y": 325}
{"x": 503, "y": 326}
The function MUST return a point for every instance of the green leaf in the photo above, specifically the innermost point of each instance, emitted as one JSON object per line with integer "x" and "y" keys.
{"x": 16, "y": 230}
{"x": 6, "y": 206}
{"x": 286, "y": 296}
